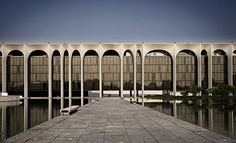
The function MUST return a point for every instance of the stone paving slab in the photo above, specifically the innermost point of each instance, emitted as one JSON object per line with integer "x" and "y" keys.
{"x": 113, "y": 120}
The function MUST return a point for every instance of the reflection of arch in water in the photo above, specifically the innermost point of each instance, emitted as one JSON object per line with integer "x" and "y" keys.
{"x": 38, "y": 74}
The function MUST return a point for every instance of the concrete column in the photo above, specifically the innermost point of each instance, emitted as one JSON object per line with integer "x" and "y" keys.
{"x": 135, "y": 74}
{"x": 62, "y": 80}
{"x": 4, "y": 72}
{"x": 49, "y": 87}
{"x": 100, "y": 77}
{"x": 143, "y": 79}
{"x": 121, "y": 76}
{"x": 82, "y": 79}
{"x": 231, "y": 122}
{"x": 26, "y": 92}
{"x": 70, "y": 82}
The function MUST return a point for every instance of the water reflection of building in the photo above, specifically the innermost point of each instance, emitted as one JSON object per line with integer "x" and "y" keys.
{"x": 56, "y": 70}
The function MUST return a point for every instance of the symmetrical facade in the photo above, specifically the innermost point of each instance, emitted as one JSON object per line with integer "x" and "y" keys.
{"x": 66, "y": 71}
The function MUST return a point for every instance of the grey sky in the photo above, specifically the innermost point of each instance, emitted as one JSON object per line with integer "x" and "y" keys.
{"x": 41, "y": 21}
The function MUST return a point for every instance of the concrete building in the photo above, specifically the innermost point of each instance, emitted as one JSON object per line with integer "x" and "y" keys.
{"x": 71, "y": 71}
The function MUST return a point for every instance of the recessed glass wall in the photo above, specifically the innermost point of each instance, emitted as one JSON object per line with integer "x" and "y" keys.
{"x": 219, "y": 68}
{"x": 111, "y": 70}
{"x": 186, "y": 69}
{"x": 56, "y": 82}
{"x": 204, "y": 70}
{"x": 138, "y": 71}
{"x": 66, "y": 74}
{"x": 128, "y": 71}
{"x": 91, "y": 71}
{"x": 38, "y": 74}
{"x": 158, "y": 71}
{"x": 234, "y": 68}
{"x": 0, "y": 71}
{"x": 15, "y": 73}
{"x": 76, "y": 74}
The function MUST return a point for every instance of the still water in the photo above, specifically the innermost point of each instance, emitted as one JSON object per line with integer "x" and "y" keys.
{"x": 12, "y": 116}
{"x": 214, "y": 114}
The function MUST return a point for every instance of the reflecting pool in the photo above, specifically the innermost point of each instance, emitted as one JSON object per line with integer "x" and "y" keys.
{"x": 14, "y": 118}
{"x": 216, "y": 114}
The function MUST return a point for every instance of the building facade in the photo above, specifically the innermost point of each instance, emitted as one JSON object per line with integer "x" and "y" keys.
{"x": 71, "y": 71}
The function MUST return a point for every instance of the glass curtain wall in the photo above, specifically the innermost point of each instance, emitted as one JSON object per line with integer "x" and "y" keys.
{"x": 128, "y": 71}
{"x": 234, "y": 68}
{"x": 15, "y": 73}
{"x": 76, "y": 77}
{"x": 219, "y": 68}
{"x": 111, "y": 70}
{"x": 66, "y": 74}
{"x": 38, "y": 74}
{"x": 186, "y": 69}
{"x": 204, "y": 71}
{"x": 138, "y": 71}
{"x": 158, "y": 71}
{"x": 0, "y": 71}
{"x": 56, "y": 82}
{"x": 91, "y": 72}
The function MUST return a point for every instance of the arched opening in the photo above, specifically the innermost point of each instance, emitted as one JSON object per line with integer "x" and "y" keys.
{"x": 76, "y": 77}
{"x": 15, "y": 73}
{"x": 219, "y": 68}
{"x": 38, "y": 74}
{"x": 128, "y": 73}
{"x": 66, "y": 75}
{"x": 204, "y": 71}
{"x": 234, "y": 68}
{"x": 91, "y": 74}
{"x": 111, "y": 73}
{"x": 1, "y": 71}
{"x": 186, "y": 69}
{"x": 158, "y": 72}
{"x": 138, "y": 72}
{"x": 56, "y": 82}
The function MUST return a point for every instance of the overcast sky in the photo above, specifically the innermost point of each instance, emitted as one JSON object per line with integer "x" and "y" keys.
{"x": 92, "y": 21}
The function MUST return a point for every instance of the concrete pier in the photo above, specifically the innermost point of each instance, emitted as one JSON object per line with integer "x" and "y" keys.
{"x": 116, "y": 120}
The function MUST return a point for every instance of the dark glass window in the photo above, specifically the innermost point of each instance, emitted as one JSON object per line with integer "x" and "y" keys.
{"x": 138, "y": 71}
{"x": 91, "y": 73}
{"x": 76, "y": 76}
{"x": 66, "y": 74}
{"x": 56, "y": 82}
{"x": 204, "y": 70}
{"x": 0, "y": 71}
{"x": 128, "y": 72}
{"x": 186, "y": 70}
{"x": 234, "y": 69}
{"x": 38, "y": 74}
{"x": 219, "y": 68}
{"x": 111, "y": 71}
{"x": 15, "y": 75}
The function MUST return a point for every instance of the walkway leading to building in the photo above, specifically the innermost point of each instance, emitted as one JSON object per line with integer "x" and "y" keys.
{"x": 115, "y": 120}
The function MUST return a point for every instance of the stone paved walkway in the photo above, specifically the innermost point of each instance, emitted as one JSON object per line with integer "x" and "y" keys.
{"x": 114, "y": 120}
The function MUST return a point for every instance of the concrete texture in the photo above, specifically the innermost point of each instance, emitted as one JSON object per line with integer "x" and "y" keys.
{"x": 114, "y": 120}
